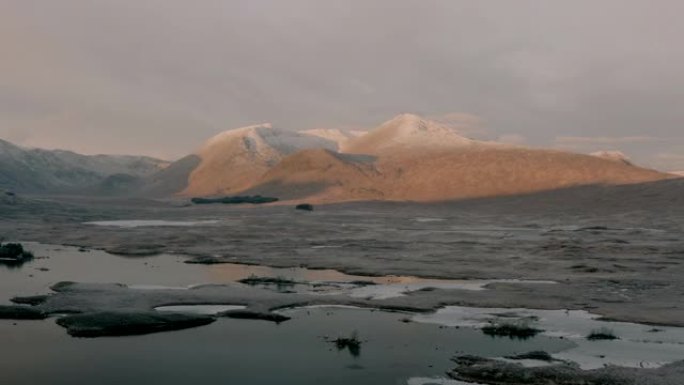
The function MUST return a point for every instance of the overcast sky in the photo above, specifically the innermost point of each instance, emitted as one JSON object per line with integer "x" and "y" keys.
{"x": 161, "y": 76}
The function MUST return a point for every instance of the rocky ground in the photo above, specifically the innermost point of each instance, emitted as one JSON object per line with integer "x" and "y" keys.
{"x": 618, "y": 252}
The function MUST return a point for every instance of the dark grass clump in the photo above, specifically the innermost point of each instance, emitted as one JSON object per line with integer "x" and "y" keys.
{"x": 513, "y": 330}
{"x": 251, "y": 199}
{"x": 535, "y": 355}
{"x": 351, "y": 343}
{"x": 252, "y": 315}
{"x": 305, "y": 207}
{"x": 14, "y": 254}
{"x": 282, "y": 284}
{"x": 255, "y": 280}
{"x": 602, "y": 334}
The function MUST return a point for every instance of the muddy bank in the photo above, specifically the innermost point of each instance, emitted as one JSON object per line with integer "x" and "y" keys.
{"x": 21, "y": 313}
{"x": 101, "y": 324}
{"x": 494, "y": 372}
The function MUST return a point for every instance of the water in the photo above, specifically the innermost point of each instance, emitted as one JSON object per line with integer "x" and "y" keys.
{"x": 638, "y": 345}
{"x": 63, "y": 263}
{"x": 238, "y": 351}
{"x": 250, "y": 352}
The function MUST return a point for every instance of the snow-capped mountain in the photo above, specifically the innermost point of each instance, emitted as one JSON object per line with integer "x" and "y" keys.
{"x": 45, "y": 171}
{"x": 233, "y": 160}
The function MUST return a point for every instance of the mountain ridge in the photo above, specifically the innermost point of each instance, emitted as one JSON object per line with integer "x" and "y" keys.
{"x": 407, "y": 158}
{"x": 40, "y": 170}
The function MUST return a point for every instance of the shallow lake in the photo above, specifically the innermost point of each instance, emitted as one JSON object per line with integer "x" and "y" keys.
{"x": 299, "y": 351}
{"x": 251, "y": 352}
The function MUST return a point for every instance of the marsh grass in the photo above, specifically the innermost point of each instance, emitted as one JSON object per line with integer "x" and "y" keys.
{"x": 602, "y": 334}
{"x": 520, "y": 329}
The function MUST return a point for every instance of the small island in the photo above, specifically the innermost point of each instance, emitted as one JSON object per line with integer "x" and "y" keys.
{"x": 252, "y": 199}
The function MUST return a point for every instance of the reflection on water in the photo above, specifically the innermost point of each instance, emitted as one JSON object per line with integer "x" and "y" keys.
{"x": 638, "y": 345}
{"x": 62, "y": 263}
{"x": 250, "y": 353}
{"x": 327, "y": 281}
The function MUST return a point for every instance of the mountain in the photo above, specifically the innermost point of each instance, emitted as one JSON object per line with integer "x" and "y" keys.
{"x": 411, "y": 158}
{"x": 233, "y": 160}
{"x": 615, "y": 156}
{"x": 677, "y": 173}
{"x": 49, "y": 171}
{"x": 407, "y": 158}
{"x": 321, "y": 174}
{"x": 408, "y": 132}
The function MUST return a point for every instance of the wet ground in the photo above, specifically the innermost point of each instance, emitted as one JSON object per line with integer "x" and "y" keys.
{"x": 397, "y": 347}
{"x": 570, "y": 263}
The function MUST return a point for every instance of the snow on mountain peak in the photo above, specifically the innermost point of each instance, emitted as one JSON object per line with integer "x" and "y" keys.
{"x": 616, "y": 156}
{"x": 408, "y": 131}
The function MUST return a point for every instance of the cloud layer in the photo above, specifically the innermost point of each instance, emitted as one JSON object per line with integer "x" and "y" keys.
{"x": 160, "y": 76}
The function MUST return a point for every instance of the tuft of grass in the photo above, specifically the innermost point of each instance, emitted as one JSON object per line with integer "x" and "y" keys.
{"x": 520, "y": 330}
{"x": 14, "y": 254}
{"x": 256, "y": 280}
{"x": 282, "y": 284}
{"x": 602, "y": 334}
{"x": 535, "y": 355}
{"x": 352, "y": 343}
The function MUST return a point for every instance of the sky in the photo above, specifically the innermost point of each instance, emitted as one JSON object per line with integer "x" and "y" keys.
{"x": 159, "y": 77}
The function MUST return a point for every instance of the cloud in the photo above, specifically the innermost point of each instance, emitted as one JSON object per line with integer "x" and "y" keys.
{"x": 161, "y": 76}
{"x": 512, "y": 139}
{"x": 468, "y": 125}
{"x": 604, "y": 140}
{"x": 668, "y": 156}
{"x": 669, "y": 161}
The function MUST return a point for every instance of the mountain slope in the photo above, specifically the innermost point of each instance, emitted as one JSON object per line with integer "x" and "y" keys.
{"x": 234, "y": 160}
{"x": 321, "y": 175}
{"x": 410, "y": 158}
{"x": 38, "y": 170}
{"x": 482, "y": 171}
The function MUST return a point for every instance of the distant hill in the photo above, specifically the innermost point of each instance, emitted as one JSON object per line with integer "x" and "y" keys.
{"x": 232, "y": 161}
{"x": 407, "y": 158}
{"x": 415, "y": 159}
{"x": 50, "y": 171}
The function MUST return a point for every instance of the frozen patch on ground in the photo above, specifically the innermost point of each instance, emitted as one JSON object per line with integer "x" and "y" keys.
{"x": 428, "y": 220}
{"x": 160, "y": 287}
{"x": 151, "y": 223}
{"x": 199, "y": 309}
{"x": 436, "y": 381}
{"x": 637, "y": 345}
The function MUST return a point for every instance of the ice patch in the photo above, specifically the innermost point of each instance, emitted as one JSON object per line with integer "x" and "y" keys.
{"x": 428, "y": 220}
{"x": 436, "y": 381}
{"x": 199, "y": 309}
{"x": 639, "y": 346}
